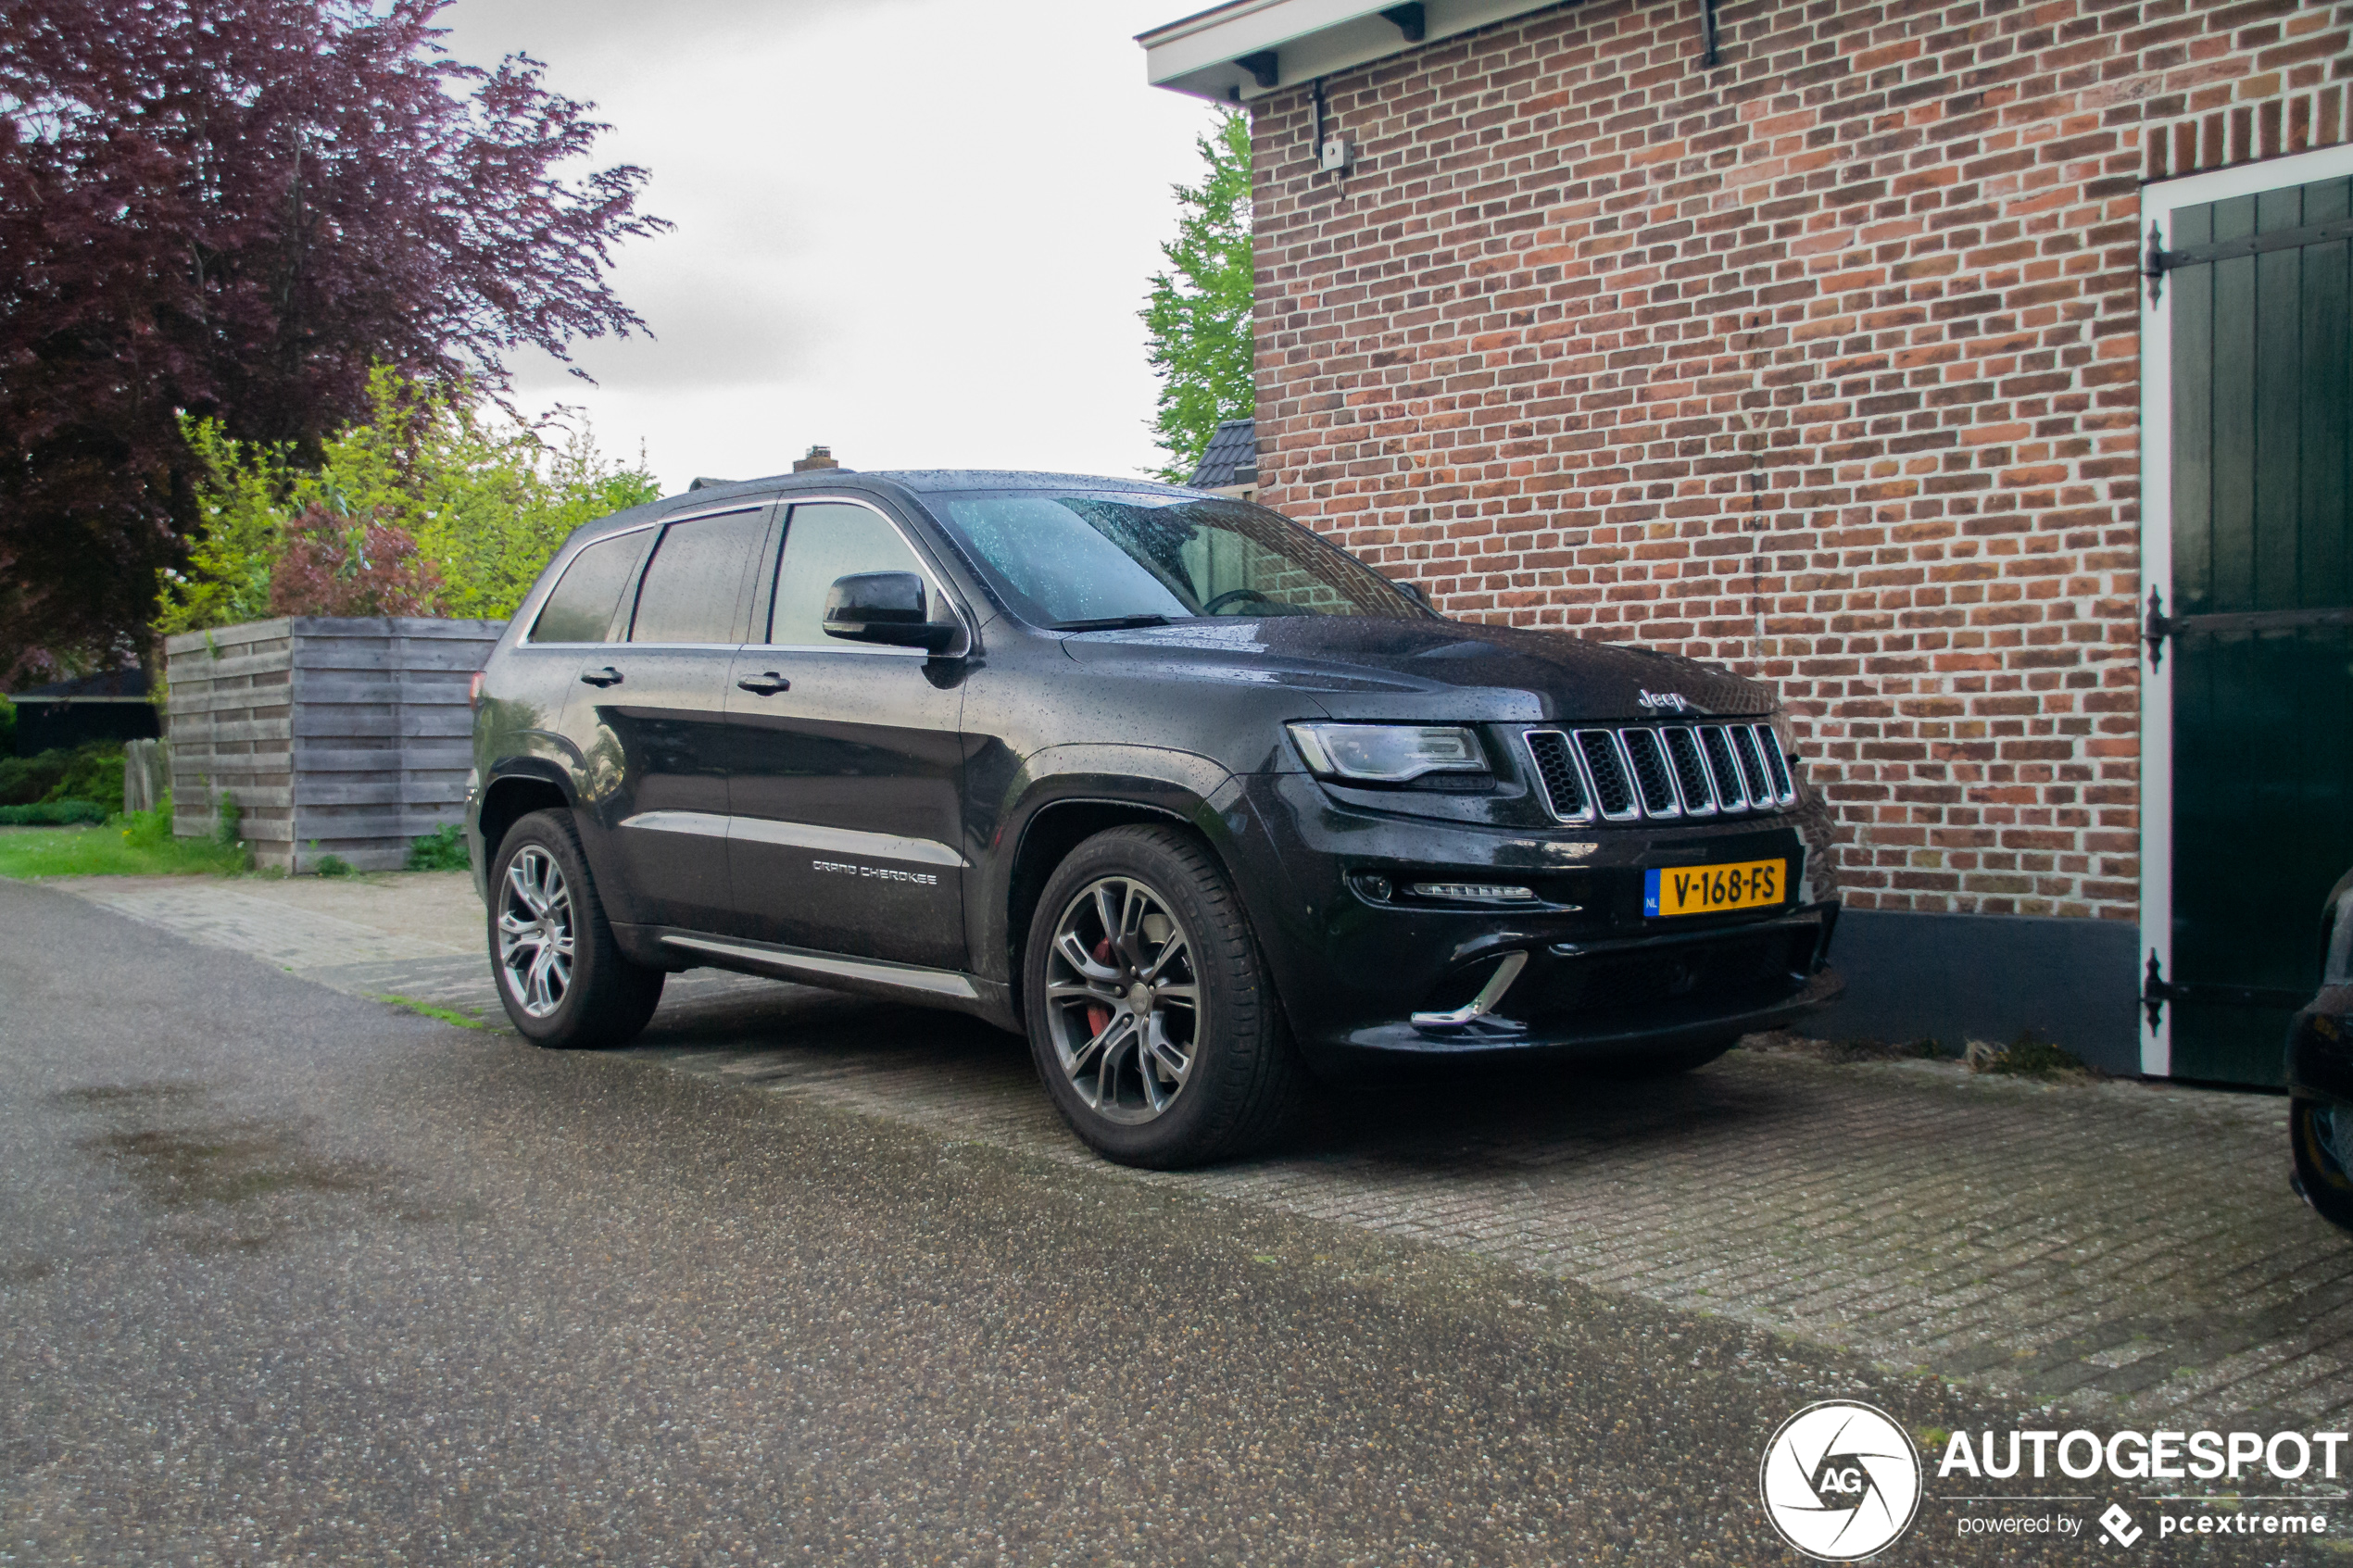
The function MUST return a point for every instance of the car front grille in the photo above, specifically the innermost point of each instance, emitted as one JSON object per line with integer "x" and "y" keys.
{"x": 1660, "y": 771}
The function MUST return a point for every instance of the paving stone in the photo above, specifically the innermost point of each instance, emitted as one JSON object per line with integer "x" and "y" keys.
{"x": 2129, "y": 1249}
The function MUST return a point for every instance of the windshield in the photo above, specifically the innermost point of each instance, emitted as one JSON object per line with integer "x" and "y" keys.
{"x": 1078, "y": 562}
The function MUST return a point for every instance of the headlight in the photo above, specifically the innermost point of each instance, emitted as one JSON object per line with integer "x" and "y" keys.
{"x": 1388, "y": 753}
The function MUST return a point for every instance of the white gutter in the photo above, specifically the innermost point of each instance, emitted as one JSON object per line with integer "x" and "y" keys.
{"x": 1200, "y": 54}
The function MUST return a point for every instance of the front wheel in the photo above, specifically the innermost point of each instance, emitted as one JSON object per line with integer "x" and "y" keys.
{"x": 2322, "y": 1135}
{"x": 564, "y": 980}
{"x": 1149, "y": 1011}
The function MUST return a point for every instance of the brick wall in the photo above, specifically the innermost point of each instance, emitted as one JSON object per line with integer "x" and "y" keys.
{"x": 1821, "y": 364}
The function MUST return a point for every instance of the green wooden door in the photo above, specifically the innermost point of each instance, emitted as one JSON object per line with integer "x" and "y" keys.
{"x": 2259, "y": 635}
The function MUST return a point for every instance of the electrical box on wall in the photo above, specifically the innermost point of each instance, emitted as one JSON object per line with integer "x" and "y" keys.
{"x": 1338, "y": 155}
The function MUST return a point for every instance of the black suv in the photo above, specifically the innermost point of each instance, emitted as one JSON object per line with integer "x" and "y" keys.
{"x": 1198, "y": 802}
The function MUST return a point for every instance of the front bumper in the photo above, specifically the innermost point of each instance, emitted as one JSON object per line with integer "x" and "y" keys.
{"x": 476, "y": 852}
{"x": 1595, "y": 979}
{"x": 2319, "y": 1047}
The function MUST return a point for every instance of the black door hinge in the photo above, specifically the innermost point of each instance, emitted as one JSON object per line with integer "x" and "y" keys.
{"x": 2156, "y": 626}
{"x": 2156, "y": 991}
{"x": 2159, "y": 261}
{"x": 2154, "y": 631}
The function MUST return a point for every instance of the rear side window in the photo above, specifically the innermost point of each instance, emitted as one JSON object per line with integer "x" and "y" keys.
{"x": 580, "y": 611}
{"x": 830, "y": 539}
{"x": 693, "y": 589}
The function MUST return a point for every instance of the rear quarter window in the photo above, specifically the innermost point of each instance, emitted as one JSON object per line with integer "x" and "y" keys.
{"x": 581, "y": 609}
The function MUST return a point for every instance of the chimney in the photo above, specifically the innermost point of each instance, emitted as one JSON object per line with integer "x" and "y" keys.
{"x": 819, "y": 457}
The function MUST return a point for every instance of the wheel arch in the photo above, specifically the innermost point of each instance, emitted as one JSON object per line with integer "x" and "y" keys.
{"x": 1047, "y": 840}
{"x": 1057, "y": 810}
{"x": 509, "y": 797}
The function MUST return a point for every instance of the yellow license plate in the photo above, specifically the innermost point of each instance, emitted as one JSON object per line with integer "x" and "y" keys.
{"x": 1707, "y": 890}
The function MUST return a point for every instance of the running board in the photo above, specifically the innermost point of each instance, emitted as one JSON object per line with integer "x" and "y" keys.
{"x": 831, "y": 969}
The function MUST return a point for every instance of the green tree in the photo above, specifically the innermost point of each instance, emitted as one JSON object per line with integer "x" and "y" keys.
{"x": 1199, "y": 312}
{"x": 487, "y": 502}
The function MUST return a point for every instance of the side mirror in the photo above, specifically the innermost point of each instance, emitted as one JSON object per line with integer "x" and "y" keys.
{"x": 887, "y": 607}
{"x": 1411, "y": 590}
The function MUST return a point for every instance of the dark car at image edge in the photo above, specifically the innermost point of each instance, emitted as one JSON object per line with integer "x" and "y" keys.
{"x": 1203, "y": 806}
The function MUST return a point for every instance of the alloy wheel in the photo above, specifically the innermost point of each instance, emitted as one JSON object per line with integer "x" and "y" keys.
{"x": 536, "y": 931}
{"x": 1123, "y": 999}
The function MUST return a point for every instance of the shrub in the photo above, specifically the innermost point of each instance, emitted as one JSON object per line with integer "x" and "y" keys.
{"x": 92, "y": 772}
{"x": 24, "y": 780}
{"x": 336, "y": 565}
{"x": 53, "y": 813}
{"x": 482, "y": 502}
{"x": 443, "y": 849}
{"x": 149, "y": 830}
{"x": 332, "y": 865}
{"x": 8, "y": 728}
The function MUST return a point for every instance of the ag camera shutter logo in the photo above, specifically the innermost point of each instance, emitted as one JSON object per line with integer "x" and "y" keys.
{"x": 1841, "y": 1480}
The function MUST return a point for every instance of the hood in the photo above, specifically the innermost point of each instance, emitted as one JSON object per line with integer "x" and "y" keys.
{"x": 1357, "y": 667}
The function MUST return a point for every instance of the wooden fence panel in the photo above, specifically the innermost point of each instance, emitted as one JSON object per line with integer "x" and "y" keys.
{"x": 335, "y": 737}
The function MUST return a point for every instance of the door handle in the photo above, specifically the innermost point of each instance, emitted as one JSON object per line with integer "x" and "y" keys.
{"x": 766, "y": 683}
{"x": 608, "y": 676}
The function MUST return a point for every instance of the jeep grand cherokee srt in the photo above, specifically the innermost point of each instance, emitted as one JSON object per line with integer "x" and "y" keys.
{"x": 1200, "y": 803}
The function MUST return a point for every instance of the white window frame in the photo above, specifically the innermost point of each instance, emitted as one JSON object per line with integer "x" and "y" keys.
{"x": 2159, "y": 200}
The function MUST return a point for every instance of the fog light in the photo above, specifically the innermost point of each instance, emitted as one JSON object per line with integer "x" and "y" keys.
{"x": 1374, "y": 887}
{"x": 1473, "y": 892}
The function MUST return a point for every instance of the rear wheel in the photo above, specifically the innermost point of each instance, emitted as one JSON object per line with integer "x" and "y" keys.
{"x": 564, "y": 982}
{"x": 2321, "y": 1134}
{"x": 1149, "y": 1011}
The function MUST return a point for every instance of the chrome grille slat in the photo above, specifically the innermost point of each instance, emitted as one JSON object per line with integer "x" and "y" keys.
{"x": 1606, "y": 770}
{"x": 1726, "y": 777}
{"x": 1661, "y": 773}
{"x": 1690, "y": 772}
{"x": 1652, "y": 782}
{"x": 1758, "y": 783}
{"x": 1556, "y": 771}
{"x": 1776, "y": 765}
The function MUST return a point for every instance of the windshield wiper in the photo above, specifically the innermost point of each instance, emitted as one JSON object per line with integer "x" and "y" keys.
{"x": 1108, "y": 623}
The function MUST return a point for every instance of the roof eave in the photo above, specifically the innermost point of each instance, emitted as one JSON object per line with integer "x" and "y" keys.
{"x": 1201, "y": 55}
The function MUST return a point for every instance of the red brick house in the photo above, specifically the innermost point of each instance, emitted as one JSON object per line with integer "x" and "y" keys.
{"x": 1911, "y": 354}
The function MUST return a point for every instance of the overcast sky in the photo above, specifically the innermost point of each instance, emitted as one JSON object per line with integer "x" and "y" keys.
{"x": 916, "y": 231}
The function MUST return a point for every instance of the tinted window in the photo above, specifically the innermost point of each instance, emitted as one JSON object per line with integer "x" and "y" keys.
{"x": 580, "y": 611}
{"x": 1072, "y": 560}
{"x": 695, "y": 583}
{"x": 826, "y": 540}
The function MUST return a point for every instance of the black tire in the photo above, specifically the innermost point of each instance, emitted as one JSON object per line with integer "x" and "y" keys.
{"x": 604, "y": 999}
{"x": 2322, "y": 1137}
{"x": 1244, "y": 1083}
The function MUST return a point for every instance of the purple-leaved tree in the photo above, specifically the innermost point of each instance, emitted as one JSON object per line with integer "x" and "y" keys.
{"x": 234, "y": 208}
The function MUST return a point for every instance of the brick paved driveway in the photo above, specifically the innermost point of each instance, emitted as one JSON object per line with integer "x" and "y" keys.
{"x": 2117, "y": 1247}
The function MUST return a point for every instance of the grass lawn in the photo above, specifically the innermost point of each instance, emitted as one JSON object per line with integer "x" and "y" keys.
{"x": 140, "y": 845}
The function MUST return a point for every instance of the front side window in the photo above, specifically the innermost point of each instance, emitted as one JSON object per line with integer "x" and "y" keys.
{"x": 1072, "y": 561}
{"x": 694, "y": 587}
{"x": 581, "y": 608}
{"x": 825, "y": 540}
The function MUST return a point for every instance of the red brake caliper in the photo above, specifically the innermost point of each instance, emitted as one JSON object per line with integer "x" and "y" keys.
{"x": 1098, "y": 1016}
